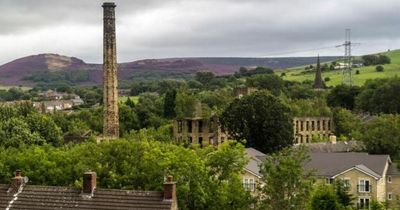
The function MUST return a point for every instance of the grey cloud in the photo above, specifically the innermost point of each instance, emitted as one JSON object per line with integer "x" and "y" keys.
{"x": 177, "y": 28}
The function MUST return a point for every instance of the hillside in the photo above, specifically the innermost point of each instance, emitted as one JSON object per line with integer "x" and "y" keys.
{"x": 366, "y": 72}
{"x": 45, "y": 68}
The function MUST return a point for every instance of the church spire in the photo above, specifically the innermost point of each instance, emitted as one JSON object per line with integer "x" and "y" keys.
{"x": 318, "y": 83}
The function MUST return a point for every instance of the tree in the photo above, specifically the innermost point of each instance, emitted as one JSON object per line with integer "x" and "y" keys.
{"x": 129, "y": 102}
{"x": 287, "y": 186}
{"x": 259, "y": 120}
{"x": 185, "y": 104}
{"x": 315, "y": 107}
{"x": 271, "y": 82}
{"x": 45, "y": 127}
{"x": 343, "y": 96}
{"x": 342, "y": 192}
{"x": 380, "y": 96}
{"x": 382, "y": 135}
{"x": 346, "y": 123}
{"x": 369, "y": 60}
{"x": 207, "y": 179}
{"x": 379, "y": 68}
{"x": 169, "y": 104}
{"x": 15, "y": 132}
{"x": 204, "y": 77}
{"x": 324, "y": 198}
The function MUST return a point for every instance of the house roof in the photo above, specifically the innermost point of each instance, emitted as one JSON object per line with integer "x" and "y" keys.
{"x": 393, "y": 169}
{"x": 256, "y": 159}
{"x": 331, "y": 164}
{"x": 363, "y": 169}
{"x": 45, "y": 197}
{"x": 339, "y": 146}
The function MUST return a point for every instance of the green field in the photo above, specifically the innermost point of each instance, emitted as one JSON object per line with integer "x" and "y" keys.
{"x": 8, "y": 87}
{"x": 368, "y": 72}
{"x": 123, "y": 99}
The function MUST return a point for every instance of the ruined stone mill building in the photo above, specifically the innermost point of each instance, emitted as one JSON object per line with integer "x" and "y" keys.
{"x": 110, "y": 80}
{"x": 198, "y": 130}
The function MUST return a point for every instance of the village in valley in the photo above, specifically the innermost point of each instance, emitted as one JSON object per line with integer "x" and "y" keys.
{"x": 313, "y": 132}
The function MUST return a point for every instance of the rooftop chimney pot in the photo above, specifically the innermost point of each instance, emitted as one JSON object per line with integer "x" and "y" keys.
{"x": 16, "y": 182}
{"x": 170, "y": 192}
{"x": 89, "y": 182}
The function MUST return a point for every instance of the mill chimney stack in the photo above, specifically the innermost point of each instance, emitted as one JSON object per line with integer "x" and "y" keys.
{"x": 110, "y": 80}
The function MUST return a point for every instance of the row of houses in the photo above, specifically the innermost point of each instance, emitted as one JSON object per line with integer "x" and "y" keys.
{"x": 368, "y": 177}
{"x": 21, "y": 195}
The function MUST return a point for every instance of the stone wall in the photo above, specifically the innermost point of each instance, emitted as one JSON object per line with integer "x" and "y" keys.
{"x": 307, "y": 127}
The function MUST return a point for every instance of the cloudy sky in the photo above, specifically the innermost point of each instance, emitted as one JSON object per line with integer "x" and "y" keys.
{"x": 186, "y": 28}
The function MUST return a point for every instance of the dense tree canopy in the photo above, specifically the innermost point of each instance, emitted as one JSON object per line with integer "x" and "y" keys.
{"x": 259, "y": 120}
{"x": 206, "y": 178}
{"x": 381, "y": 135}
{"x": 380, "y": 96}
{"x": 343, "y": 96}
{"x": 287, "y": 185}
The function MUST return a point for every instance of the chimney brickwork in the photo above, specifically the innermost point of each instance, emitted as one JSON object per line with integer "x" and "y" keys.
{"x": 16, "y": 182}
{"x": 89, "y": 182}
{"x": 170, "y": 192}
{"x": 110, "y": 80}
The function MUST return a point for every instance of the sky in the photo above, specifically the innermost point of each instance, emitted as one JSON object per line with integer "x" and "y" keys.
{"x": 198, "y": 28}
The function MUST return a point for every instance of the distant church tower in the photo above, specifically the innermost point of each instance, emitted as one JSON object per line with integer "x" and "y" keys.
{"x": 110, "y": 80}
{"x": 318, "y": 83}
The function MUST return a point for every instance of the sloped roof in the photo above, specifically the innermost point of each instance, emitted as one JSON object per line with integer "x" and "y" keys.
{"x": 339, "y": 146}
{"x": 331, "y": 164}
{"x": 256, "y": 159}
{"x": 45, "y": 197}
{"x": 363, "y": 169}
{"x": 393, "y": 169}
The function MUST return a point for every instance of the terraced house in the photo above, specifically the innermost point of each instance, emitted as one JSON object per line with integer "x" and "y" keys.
{"x": 19, "y": 194}
{"x": 369, "y": 177}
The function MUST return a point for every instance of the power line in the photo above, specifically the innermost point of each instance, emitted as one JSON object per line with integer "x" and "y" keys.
{"x": 299, "y": 51}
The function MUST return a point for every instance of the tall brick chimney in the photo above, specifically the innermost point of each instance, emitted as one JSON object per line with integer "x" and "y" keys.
{"x": 170, "y": 192}
{"x": 89, "y": 182}
{"x": 110, "y": 80}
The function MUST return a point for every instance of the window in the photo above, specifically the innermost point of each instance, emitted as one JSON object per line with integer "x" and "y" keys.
{"x": 307, "y": 126}
{"x": 346, "y": 182}
{"x": 329, "y": 125}
{"x": 201, "y": 141}
{"x": 297, "y": 126}
{"x": 301, "y": 126}
{"x": 389, "y": 196}
{"x": 363, "y": 203}
{"x": 200, "y": 126}
{"x": 248, "y": 184}
{"x": 318, "y": 125}
{"x": 364, "y": 186}
{"x": 190, "y": 128}
{"x": 180, "y": 126}
{"x": 313, "y": 125}
{"x": 389, "y": 179}
{"x": 329, "y": 180}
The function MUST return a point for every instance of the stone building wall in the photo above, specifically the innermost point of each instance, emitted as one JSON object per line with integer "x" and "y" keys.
{"x": 307, "y": 127}
{"x": 199, "y": 131}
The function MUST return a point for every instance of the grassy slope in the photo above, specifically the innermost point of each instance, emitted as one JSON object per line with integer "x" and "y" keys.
{"x": 8, "y": 87}
{"x": 366, "y": 73}
{"x": 123, "y": 99}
